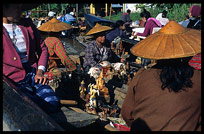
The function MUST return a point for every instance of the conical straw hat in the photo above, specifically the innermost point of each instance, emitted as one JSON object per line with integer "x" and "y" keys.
{"x": 54, "y": 25}
{"x": 98, "y": 28}
{"x": 172, "y": 41}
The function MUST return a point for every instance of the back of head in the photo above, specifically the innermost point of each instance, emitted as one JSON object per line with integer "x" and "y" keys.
{"x": 195, "y": 10}
{"x": 145, "y": 14}
{"x": 176, "y": 73}
{"x": 128, "y": 11}
{"x": 118, "y": 23}
{"x": 164, "y": 13}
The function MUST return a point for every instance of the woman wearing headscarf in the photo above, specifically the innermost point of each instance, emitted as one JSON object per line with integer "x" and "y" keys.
{"x": 25, "y": 57}
{"x": 194, "y": 17}
{"x": 166, "y": 97}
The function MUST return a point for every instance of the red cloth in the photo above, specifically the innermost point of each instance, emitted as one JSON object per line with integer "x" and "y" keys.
{"x": 195, "y": 10}
{"x": 195, "y": 62}
{"x": 12, "y": 66}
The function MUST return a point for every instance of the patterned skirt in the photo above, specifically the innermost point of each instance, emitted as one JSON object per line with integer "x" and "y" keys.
{"x": 42, "y": 95}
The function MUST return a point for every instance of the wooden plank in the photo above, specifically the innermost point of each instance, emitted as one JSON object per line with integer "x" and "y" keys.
{"x": 72, "y": 120}
{"x": 20, "y": 113}
{"x": 77, "y": 110}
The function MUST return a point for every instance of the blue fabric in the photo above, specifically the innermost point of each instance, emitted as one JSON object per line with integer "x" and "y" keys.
{"x": 110, "y": 36}
{"x": 43, "y": 95}
{"x": 69, "y": 17}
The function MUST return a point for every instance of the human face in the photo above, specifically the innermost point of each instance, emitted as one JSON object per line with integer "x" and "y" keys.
{"x": 122, "y": 27}
{"x": 144, "y": 19}
{"x": 101, "y": 38}
{"x": 12, "y": 13}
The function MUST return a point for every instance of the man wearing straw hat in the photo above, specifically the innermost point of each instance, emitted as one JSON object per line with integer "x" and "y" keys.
{"x": 21, "y": 46}
{"x": 96, "y": 50}
{"x": 166, "y": 97}
{"x": 55, "y": 47}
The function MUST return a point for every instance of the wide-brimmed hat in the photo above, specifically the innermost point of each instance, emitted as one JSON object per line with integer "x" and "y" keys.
{"x": 54, "y": 25}
{"x": 172, "y": 41}
{"x": 98, "y": 29}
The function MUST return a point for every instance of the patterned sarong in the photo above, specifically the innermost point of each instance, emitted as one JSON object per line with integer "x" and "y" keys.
{"x": 43, "y": 95}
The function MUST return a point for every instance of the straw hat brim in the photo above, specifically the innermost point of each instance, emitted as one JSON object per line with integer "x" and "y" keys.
{"x": 98, "y": 29}
{"x": 168, "y": 44}
{"x": 54, "y": 25}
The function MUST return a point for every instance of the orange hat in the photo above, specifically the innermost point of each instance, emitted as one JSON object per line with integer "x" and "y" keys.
{"x": 98, "y": 28}
{"x": 172, "y": 41}
{"x": 54, "y": 25}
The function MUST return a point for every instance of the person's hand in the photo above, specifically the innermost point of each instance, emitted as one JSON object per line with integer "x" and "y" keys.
{"x": 39, "y": 77}
{"x": 135, "y": 35}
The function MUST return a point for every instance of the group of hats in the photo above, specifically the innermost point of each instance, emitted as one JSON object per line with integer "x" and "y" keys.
{"x": 172, "y": 41}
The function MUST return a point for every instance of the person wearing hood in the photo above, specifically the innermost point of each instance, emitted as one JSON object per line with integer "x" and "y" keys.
{"x": 194, "y": 17}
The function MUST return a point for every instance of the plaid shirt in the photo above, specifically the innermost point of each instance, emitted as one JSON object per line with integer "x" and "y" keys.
{"x": 94, "y": 55}
{"x": 55, "y": 47}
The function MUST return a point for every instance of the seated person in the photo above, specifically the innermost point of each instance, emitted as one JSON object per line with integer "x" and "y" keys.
{"x": 22, "y": 45}
{"x": 150, "y": 23}
{"x": 69, "y": 19}
{"x": 55, "y": 47}
{"x": 96, "y": 50}
{"x": 161, "y": 17}
{"x": 118, "y": 31}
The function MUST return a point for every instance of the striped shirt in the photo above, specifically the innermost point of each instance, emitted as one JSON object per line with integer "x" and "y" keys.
{"x": 195, "y": 62}
{"x": 55, "y": 47}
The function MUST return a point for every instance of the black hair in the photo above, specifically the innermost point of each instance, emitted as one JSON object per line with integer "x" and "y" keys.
{"x": 128, "y": 11}
{"x": 164, "y": 13}
{"x": 145, "y": 14}
{"x": 176, "y": 73}
{"x": 118, "y": 23}
{"x": 187, "y": 16}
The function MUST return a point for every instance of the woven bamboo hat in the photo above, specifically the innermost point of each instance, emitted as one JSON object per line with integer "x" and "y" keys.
{"x": 98, "y": 28}
{"x": 54, "y": 25}
{"x": 172, "y": 41}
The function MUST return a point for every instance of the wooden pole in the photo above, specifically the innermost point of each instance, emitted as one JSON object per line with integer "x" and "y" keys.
{"x": 110, "y": 11}
{"x": 77, "y": 10}
{"x": 106, "y": 5}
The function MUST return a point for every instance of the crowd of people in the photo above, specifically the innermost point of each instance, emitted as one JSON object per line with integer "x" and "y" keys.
{"x": 166, "y": 97}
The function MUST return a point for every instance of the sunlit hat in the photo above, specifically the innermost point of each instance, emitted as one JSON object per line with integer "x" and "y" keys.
{"x": 98, "y": 28}
{"x": 54, "y": 25}
{"x": 172, "y": 41}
